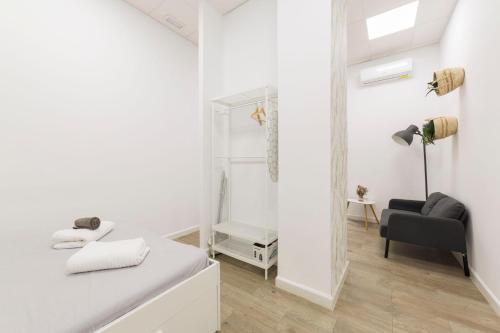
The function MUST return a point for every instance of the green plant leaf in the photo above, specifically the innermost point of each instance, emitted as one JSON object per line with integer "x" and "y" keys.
{"x": 428, "y": 133}
{"x": 430, "y": 90}
{"x": 431, "y": 86}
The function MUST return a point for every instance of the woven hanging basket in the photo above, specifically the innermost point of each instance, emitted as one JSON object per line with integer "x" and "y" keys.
{"x": 444, "y": 127}
{"x": 448, "y": 79}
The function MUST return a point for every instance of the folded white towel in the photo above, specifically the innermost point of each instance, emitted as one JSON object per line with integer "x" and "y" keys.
{"x": 107, "y": 255}
{"x": 72, "y": 238}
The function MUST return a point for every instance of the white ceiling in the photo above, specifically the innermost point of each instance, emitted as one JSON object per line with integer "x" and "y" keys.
{"x": 182, "y": 11}
{"x": 432, "y": 18}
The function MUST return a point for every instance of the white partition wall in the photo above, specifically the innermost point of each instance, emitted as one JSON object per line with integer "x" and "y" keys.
{"x": 209, "y": 85}
{"x": 308, "y": 113}
{"x": 338, "y": 166}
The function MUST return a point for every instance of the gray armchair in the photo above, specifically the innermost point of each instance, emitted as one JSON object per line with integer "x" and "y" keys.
{"x": 438, "y": 222}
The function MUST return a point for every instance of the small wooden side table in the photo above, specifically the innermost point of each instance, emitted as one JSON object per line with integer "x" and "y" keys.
{"x": 365, "y": 204}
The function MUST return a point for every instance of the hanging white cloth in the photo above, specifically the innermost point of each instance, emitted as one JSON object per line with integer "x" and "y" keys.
{"x": 272, "y": 143}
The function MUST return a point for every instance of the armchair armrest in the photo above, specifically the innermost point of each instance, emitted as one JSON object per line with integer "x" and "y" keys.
{"x": 436, "y": 232}
{"x": 410, "y": 205}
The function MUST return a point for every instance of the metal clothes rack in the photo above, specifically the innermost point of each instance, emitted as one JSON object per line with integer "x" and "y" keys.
{"x": 241, "y": 240}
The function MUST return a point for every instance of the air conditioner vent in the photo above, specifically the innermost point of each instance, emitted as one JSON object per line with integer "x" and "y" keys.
{"x": 174, "y": 22}
{"x": 400, "y": 69}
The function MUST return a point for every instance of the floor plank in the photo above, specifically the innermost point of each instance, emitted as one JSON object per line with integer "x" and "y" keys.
{"x": 415, "y": 290}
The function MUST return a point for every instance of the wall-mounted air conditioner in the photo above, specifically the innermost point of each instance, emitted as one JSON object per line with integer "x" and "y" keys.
{"x": 400, "y": 69}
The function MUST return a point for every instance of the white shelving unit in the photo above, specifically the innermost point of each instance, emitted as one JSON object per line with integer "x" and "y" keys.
{"x": 232, "y": 237}
{"x": 246, "y": 231}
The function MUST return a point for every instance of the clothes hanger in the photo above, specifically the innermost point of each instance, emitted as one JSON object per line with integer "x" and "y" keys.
{"x": 259, "y": 115}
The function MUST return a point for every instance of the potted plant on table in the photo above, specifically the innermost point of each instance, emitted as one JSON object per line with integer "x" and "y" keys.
{"x": 361, "y": 192}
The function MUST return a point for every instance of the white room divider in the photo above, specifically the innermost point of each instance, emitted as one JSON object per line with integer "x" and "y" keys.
{"x": 339, "y": 147}
{"x": 312, "y": 145}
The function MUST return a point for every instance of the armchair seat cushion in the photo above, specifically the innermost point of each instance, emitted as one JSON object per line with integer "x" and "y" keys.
{"x": 384, "y": 219}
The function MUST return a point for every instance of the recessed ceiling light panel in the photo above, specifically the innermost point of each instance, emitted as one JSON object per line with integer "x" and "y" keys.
{"x": 392, "y": 21}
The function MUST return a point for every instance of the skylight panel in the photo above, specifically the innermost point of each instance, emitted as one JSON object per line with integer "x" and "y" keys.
{"x": 392, "y": 21}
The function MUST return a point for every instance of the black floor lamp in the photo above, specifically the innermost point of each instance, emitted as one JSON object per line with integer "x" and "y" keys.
{"x": 405, "y": 138}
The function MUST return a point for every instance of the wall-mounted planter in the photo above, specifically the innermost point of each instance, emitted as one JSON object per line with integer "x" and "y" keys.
{"x": 444, "y": 127}
{"x": 446, "y": 80}
{"x": 439, "y": 128}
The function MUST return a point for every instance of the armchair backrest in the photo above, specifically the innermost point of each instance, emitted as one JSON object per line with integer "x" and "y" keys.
{"x": 431, "y": 201}
{"x": 448, "y": 207}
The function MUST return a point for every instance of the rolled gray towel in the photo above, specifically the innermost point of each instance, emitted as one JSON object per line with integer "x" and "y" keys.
{"x": 91, "y": 223}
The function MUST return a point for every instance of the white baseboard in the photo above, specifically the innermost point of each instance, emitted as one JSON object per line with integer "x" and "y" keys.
{"x": 182, "y": 232}
{"x": 481, "y": 286}
{"x": 338, "y": 288}
{"x": 306, "y": 292}
{"x": 360, "y": 218}
{"x": 487, "y": 293}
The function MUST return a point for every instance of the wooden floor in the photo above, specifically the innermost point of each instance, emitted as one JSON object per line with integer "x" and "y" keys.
{"x": 415, "y": 290}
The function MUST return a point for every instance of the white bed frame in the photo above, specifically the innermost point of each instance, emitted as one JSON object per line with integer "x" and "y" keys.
{"x": 192, "y": 306}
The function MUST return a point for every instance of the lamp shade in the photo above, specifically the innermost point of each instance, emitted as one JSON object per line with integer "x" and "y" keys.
{"x": 405, "y": 137}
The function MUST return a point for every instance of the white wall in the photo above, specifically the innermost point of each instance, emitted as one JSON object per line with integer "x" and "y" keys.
{"x": 209, "y": 86}
{"x": 250, "y": 62}
{"x": 250, "y": 46}
{"x": 471, "y": 161}
{"x": 304, "y": 77}
{"x": 98, "y": 116}
{"x": 237, "y": 53}
{"x": 465, "y": 165}
{"x": 375, "y": 113}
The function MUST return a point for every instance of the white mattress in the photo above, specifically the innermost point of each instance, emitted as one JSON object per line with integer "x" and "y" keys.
{"x": 36, "y": 295}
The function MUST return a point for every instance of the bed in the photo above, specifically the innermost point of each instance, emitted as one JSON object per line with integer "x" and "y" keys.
{"x": 174, "y": 285}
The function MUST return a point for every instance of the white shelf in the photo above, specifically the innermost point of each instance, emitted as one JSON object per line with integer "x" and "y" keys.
{"x": 249, "y": 96}
{"x": 243, "y": 159}
{"x": 247, "y": 232}
{"x": 243, "y": 252}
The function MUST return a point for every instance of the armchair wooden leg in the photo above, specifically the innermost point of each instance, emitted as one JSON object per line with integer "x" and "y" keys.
{"x": 466, "y": 264}
{"x": 386, "y": 248}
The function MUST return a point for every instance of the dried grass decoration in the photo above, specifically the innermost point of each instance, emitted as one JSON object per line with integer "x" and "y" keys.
{"x": 446, "y": 80}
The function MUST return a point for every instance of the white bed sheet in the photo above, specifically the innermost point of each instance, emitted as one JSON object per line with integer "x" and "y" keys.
{"x": 38, "y": 296}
